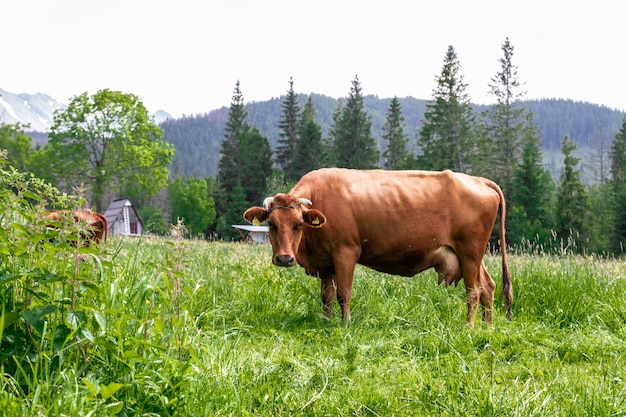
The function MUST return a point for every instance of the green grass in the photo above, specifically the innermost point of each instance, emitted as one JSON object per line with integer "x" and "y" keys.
{"x": 198, "y": 329}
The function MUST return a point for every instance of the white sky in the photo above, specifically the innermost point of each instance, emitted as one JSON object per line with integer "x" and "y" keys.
{"x": 185, "y": 56}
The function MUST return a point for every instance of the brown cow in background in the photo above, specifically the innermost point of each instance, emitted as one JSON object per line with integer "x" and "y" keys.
{"x": 398, "y": 222}
{"x": 95, "y": 224}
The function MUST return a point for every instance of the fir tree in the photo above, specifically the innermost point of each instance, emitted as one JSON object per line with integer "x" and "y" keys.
{"x": 310, "y": 151}
{"x": 353, "y": 144}
{"x": 618, "y": 182}
{"x": 396, "y": 154}
{"x": 289, "y": 124}
{"x": 446, "y": 137}
{"x": 572, "y": 202}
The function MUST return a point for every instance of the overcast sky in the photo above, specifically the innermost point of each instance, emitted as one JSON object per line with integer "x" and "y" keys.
{"x": 185, "y": 56}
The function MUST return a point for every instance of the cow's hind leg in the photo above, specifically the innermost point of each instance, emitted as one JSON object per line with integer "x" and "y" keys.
{"x": 487, "y": 288}
{"x": 471, "y": 279}
{"x": 480, "y": 289}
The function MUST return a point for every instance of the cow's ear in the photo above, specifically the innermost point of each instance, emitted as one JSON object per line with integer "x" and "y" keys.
{"x": 314, "y": 218}
{"x": 255, "y": 215}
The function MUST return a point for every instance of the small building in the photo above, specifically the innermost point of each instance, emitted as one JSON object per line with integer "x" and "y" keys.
{"x": 256, "y": 234}
{"x": 123, "y": 219}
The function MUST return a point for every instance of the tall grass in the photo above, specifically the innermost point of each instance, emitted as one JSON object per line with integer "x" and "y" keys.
{"x": 190, "y": 328}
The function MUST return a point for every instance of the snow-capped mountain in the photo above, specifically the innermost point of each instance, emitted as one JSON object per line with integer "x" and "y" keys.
{"x": 37, "y": 110}
{"x": 34, "y": 110}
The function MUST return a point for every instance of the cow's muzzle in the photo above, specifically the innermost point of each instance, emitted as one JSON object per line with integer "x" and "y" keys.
{"x": 284, "y": 260}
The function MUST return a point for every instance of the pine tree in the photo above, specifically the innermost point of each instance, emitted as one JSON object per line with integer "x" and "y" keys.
{"x": 446, "y": 137}
{"x": 231, "y": 159}
{"x": 507, "y": 122}
{"x": 572, "y": 202}
{"x": 396, "y": 155}
{"x": 310, "y": 151}
{"x": 289, "y": 131}
{"x": 618, "y": 182}
{"x": 353, "y": 144}
{"x": 530, "y": 196}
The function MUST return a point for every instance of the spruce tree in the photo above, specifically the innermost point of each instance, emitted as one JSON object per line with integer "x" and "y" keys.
{"x": 396, "y": 155}
{"x": 572, "y": 203}
{"x": 235, "y": 208}
{"x": 506, "y": 122}
{"x": 353, "y": 144}
{"x": 310, "y": 151}
{"x": 256, "y": 164}
{"x": 618, "y": 182}
{"x": 289, "y": 131}
{"x": 446, "y": 137}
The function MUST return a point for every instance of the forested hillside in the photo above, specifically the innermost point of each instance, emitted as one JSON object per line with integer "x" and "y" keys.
{"x": 197, "y": 139}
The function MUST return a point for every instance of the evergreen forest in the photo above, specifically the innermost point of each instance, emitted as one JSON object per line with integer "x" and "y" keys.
{"x": 197, "y": 139}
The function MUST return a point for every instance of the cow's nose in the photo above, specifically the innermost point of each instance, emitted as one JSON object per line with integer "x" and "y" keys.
{"x": 284, "y": 260}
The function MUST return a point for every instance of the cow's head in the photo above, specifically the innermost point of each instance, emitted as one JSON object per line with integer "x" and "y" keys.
{"x": 286, "y": 216}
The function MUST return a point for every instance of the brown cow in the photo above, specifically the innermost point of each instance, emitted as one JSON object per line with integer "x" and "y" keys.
{"x": 96, "y": 224}
{"x": 397, "y": 222}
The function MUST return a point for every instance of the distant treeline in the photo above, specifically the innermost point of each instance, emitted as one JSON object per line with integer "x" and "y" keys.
{"x": 197, "y": 139}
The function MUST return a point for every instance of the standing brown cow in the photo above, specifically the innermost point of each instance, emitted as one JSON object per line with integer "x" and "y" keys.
{"x": 96, "y": 224}
{"x": 398, "y": 222}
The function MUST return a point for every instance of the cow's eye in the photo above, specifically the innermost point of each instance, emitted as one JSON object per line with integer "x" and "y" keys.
{"x": 298, "y": 226}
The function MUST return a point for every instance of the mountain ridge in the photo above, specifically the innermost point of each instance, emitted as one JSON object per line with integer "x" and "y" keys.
{"x": 36, "y": 111}
{"x": 197, "y": 139}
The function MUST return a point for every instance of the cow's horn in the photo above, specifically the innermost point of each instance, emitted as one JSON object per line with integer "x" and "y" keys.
{"x": 267, "y": 202}
{"x": 305, "y": 201}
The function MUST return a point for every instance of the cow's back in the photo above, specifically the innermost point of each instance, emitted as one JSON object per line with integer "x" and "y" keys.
{"x": 393, "y": 219}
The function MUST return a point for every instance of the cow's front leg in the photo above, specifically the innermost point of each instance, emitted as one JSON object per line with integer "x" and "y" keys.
{"x": 344, "y": 294}
{"x": 344, "y": 277}
{"x": 328, "y": 294}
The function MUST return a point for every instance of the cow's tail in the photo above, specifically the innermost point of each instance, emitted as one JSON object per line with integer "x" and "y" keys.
{"x": 507, "y": 287}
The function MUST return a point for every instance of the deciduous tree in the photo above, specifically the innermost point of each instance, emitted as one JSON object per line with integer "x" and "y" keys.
{"x": 190, "y": 201}
{"x": 17, "y": 144}
{"x": 108, "y": 142}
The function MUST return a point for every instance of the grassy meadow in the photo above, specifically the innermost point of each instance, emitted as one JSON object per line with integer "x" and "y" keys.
{"x": 191, "y": 328}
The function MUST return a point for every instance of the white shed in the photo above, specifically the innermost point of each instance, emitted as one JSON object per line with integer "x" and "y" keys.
{"x": 256, "y": 234}
{"x": 123, "y": 219}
